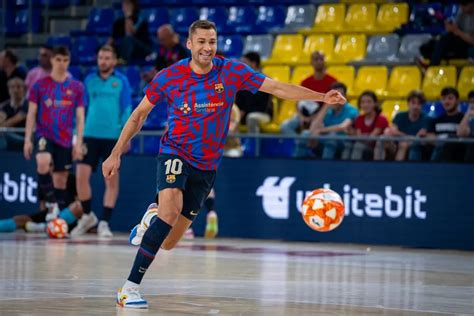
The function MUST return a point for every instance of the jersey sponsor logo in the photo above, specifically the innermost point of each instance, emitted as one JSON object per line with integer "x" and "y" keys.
{"x": 185, "y": 108}
{"x": 21, "y": 190}
{"x": 170, "y": 178}
{"x": 219, "y": 87}
{"x": 57, "y": 103}
{"x": 207, "y": 107}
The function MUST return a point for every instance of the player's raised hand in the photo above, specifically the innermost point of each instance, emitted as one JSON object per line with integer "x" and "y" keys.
{"x": 27, "y": 149}
{"x": 111, "y": 165}
{"x": 334, "y": 97}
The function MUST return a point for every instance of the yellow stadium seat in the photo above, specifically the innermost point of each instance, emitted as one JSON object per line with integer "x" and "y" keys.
{"x": 300, "y": 73}
{"x": 360, "y": 17}
{"x": 349, "y": 47}
{"x": 436, "y": 78}
{"x": 321, "y": 42}
{"x": 279, "y": 73}
{"x": 390, "y": 108}
{"x": 371, "y": 78}
{"x": 363, "y": 1}
{"x": 285, "y": 110}
{"x": 354, "y": 102}
{"x": 403, "y": 79}
{"x": 344, "y": 74}
{"x": 286, "y": 49}
{"x": 466, "y": 81}
{"x": 329, "y": 19}
{"x": 391, "y": 16}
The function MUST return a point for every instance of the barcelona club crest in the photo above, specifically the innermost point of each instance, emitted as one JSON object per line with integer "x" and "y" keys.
{"x": 42, "y": 144}
{"x": 219, "y": 87}
{"x": 170, "y": 178}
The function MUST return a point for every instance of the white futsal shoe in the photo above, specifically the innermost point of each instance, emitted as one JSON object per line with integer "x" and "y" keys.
{"x": 103, "y": 230}
{"x": 131, "y": 298}
{"x": 139, "y": 230}
{"x": 86, "y": 222}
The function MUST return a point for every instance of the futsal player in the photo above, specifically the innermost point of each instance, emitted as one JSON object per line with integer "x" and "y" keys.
{"x": 55, "y": 102}
{"x": 199, "y": 92}
{"x": 108, "y": 108}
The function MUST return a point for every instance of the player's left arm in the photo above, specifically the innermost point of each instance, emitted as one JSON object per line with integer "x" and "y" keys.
{"x": 293, "y": 92}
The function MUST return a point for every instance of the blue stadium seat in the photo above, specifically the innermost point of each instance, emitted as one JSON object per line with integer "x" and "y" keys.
{"x": 451, "y": 10}
{"x": 433, "y": 109}
{"x": 242, "y": 20}
{"x": 17, "y": 24}
{"x": 218, "y": 15}
{"x": 60, "y": 3}
{"x": 151, "y": 145}
{"x": 270, "y": 18}
{"x": 100, "y": 21}
{"x": 261, "y": 44}
{"x": 156, "y": 120}
{"x": 248, "y": 146}
{"x": 84, "y": 50}
{"x": 155, "y": 18}
{"x": 299, "y": 17}
{"x": 59, "y": 40}
{"x": 425, "y": 18}
{"x": 76, "y": 72}
{"x": 231, "y": 46}
{"x": 463, "y": 106}
{"x": 277, "y": 148}
{"x": 133, "y": 75}
{"x": 181, "y": 18}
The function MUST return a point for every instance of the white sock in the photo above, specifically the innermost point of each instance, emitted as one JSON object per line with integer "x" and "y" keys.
{"x": 128, "y": 284}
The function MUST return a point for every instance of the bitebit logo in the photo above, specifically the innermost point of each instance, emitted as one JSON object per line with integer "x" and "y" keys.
{"x": 276, "y": 200}
{"x": 18, "y": 191}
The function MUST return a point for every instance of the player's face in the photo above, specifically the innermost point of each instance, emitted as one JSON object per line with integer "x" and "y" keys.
{"x": 450, "y": 102}
{"x": 106, "y": 61}
{"x": 203, "y": 46}
{"x": 60, "y": 63}
{"x": 414, "y": 106}
{"x": 367, "y": 104}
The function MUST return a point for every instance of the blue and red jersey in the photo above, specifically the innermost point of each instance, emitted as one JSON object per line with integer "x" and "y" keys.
{"x": 57, "y": 103}
{"x": 199, "y": 107}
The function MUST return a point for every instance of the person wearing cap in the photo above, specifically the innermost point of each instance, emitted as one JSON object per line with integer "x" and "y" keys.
{"x": 299, "y": 124}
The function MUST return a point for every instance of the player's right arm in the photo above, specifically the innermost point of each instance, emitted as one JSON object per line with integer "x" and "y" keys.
{"x": 30, "y": 126}
{"x": 131, "y": 128}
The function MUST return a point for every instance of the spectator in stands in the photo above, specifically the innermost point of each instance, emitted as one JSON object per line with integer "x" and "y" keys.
{"x": 408, "y": 123}
{"x": 43, "y": 69}
{"x": 446, "y": 126}
{"x": 466, "y": 128}
{"x": 255, "y": 109}
{"x": 458, "y": 41}
{"x": 130, "y": 35}
{"x": 334, "y": 119}
{"x": 169, "y": 52}
{"x": 320, "y": 81}
{"x": 13, "y": 114}
{"x": 371, "y": 123}
{"x": 8, "y": 69}
{"x": 300, "y": 124}
{"x": 232, "y": 147}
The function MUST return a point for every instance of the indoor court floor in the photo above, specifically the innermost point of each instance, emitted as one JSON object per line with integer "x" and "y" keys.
{"x": 40, "y": 276}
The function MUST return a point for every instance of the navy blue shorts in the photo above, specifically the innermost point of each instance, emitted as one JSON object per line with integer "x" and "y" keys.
{"x": 62, "y": 156}
{"x": 175, "y": 172}
{"x": 95, "y": 150}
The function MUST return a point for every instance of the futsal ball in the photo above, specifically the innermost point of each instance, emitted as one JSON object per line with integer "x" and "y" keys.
{"x": 323, "y": 210}
{"x": 57, "y": 228}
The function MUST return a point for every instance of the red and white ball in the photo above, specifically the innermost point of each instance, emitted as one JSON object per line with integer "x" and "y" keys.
{"x": 57, "y": 228}
{"x": 323, "y": 210}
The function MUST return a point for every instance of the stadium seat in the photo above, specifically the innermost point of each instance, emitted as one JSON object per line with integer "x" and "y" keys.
{"x": 466, "y": 81}
{"x": 270, "y": 18}
{"x": 371, "y": 78}
{"x": 403, "y": 79}
{"x": 390, "y": 108}
{"x": 261, "y": 44}
{"x": 317, "y": 42}
{"x": 277, "y": 148}
{"x": 242, "y": 20}
{"x": 100, "y": 21}
{"x": 182, "y": 17}
{"x": 230, "y": 45}
{"x": 283, "y": 111}
{"x": 84, "y": 50}
{"x": 433, "y": 109}
{"x": 360, "y": 17}
{"x": 286, "y": 49}
{"x": 279, "y": 73}
{"x": 75, "y": 71}
{"x": 56, "y": 4}
{"x": 133, "y": 75}
{"x": 59, "y": 40}
{"x": 410, "y": 47}
{"x": 18, "y": 24}
{"x": 451, "y": 10}
{"x": 344, "y": 74}
{"x": 329, "y": 19}
{"x": 218, "y": 15}
{"x": 155, "y": 19}
{"x": 381, "y": 48}
{"x": 425, "y": 18}
{"x": 436, "y": 78}
{"x": 349, "y": 47}
{"x": 391, "y": 16}
{"x": 300, "y": 73}
{"x": 299, "y": 17}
